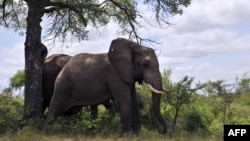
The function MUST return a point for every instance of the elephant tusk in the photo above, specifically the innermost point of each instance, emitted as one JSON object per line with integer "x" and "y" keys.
{"x": 153, "y": 89}
{"x": 166, "y": 90}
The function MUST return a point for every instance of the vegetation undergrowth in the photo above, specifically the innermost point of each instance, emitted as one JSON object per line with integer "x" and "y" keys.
{"x": 190, "y": 116}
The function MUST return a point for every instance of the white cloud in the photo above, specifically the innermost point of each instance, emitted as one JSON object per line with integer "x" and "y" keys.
{"x": 205, "y": 29}
{"x": 11, "y": 60}
{"x": 207, "y": 14}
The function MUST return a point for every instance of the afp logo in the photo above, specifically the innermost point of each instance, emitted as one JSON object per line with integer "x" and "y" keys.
{"x": 236, "y": 132}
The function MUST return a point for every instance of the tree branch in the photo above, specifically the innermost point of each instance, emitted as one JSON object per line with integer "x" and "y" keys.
{"x": 56, "y": 6}
{"x": 131, "y": 15}
{"x": 2, "y": 5}
{"x": 131, "y": 19}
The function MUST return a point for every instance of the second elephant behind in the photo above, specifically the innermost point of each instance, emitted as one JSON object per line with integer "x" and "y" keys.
{"x": 51, "y": 68}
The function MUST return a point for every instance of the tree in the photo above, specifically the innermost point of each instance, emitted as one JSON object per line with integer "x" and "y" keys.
{"x": 17, "y": 80}
{"x": 244, "y": 84}
{"x": 70, "y": 18}
{"x": 224, "y": 91}
{"x": 10, "y": 108}
{"x": 181, "y": 93}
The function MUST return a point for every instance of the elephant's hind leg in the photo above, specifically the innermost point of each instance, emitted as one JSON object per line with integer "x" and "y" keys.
{"x": 50, "y": 119}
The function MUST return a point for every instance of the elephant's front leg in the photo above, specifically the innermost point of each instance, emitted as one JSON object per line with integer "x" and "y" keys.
{"x": 136, "y": 121}
{"x": 121, "y": 92}
{"x": 126, "y": 115}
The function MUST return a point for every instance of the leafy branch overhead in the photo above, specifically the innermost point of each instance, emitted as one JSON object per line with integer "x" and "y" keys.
{"x": 71, "y": 17}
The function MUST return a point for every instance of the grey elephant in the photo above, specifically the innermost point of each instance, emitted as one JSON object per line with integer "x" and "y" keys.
{"x": 89, "y": 79}
{"x": 51, "y": 68}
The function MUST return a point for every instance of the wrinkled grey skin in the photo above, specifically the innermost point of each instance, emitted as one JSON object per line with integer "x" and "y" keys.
{"x": 51, "y": 68}
{"x": 89, "y": 79}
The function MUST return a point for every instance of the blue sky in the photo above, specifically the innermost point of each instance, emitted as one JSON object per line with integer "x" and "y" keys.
{"x": 210, "y": 41}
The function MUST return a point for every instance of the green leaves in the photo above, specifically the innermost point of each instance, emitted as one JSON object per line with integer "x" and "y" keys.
{"x": 17, "y": 81}
{"x": 181, "y": 92}
{"x": 164, "y": 9}
{"x": 11, "y": 112}
{"x": 70, "y": 18}
{"x": 13, "y": 15}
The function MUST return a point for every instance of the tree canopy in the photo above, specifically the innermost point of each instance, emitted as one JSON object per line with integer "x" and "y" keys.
{"x": 71, "y": 17}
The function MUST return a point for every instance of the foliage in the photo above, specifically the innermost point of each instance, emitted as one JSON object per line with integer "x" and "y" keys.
{"x": 13, "y": 15}
{"x": 244, "y": 84}
{"x": 224, "y": 91}
{"x": 180, "y": 94}
{"x": 197, "y": 119}
{"x": 73, "y": 16}
{"x": 11, "y": 112}
{"x": 239, "y": 108}
{"x": 82, "y": 123}
{"x": 202, "y": 116}
{"x": 17, "y": 80}
{"x": 16, "y": 83}
{"x": 165, "y": 8}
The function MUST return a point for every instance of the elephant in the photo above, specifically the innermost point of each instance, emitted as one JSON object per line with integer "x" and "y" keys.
{"x": 51, "y": 68}
{"x": 89, "y": 79}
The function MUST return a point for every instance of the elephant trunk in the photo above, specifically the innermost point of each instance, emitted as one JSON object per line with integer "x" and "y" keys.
{"x": 154, "y": 82}
{"x": 157, "y": 89}
{"x": 156, "y": 98}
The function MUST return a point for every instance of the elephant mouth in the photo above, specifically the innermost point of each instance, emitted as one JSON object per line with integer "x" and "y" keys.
{"x": 152, "y": 89}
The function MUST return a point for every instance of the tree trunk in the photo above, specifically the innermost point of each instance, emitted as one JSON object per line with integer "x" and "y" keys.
{"x": 224, "y": 110}
{"x": 175, "y": 118}
{"x": 35, "y": 53}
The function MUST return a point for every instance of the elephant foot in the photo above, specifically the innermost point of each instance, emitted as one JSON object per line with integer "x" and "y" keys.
{"x": 127, "y": 134}
{"x": 49, "y": 120}
{"x": 163, "y": 131}
{"x": 136, "y": 128}
{"x": 136, "y": 131}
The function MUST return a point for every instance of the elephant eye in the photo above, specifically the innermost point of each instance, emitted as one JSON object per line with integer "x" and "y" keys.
{"x": 146, "y": 63}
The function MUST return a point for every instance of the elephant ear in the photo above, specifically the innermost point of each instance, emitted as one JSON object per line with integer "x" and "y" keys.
{"x": 121, "y": 54}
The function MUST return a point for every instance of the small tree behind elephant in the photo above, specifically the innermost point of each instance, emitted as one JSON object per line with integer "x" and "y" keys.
{"x": 51, "y": 68}
{"x": 89, "y": 79}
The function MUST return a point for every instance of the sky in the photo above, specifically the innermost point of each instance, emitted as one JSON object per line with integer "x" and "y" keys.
{"x": 209, "y": 41}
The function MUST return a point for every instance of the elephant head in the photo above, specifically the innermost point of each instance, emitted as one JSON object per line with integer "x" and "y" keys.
{"x": 134, "y": 62}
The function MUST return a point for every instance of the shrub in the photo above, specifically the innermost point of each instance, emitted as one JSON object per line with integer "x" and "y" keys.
{"x": 197, "y": 120}
{"x": 82, "y": 123}
{"x": 11, "y": 112}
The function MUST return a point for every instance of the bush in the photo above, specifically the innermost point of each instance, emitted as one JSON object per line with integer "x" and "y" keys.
{"x": 11, "y": 112}
{"x": 82, "y": 123}
{"x": 197, "y": 120}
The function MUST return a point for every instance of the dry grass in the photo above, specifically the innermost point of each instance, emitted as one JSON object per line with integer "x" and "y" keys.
{"x": 146, "y": 136}
{"x": 31, "y": 134}
{"x": 84, "y": 138}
